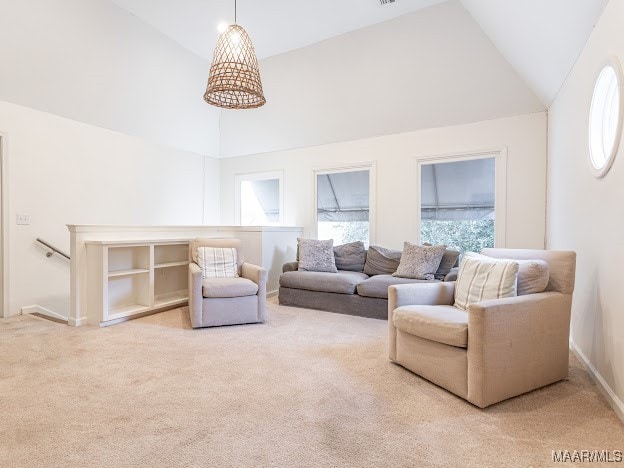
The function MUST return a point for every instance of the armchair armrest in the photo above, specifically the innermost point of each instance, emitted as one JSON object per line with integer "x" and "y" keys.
{"x": 417, "y": 293}
{"x": 421, "y": 293}
{"x": 259, "y": 276}
{"x": 195, "y": 294}
{"x": 517, "y": 344}
{"x": 254, "y": 273}
{"x": 290, "y": 266}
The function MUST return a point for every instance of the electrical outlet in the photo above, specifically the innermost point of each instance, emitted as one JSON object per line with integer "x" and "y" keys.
{"x": 23, "y": 219}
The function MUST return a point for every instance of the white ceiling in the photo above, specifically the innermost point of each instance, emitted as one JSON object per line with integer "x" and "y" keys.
{"x": 275, "y": 26}
{"x": 541, "y": 39}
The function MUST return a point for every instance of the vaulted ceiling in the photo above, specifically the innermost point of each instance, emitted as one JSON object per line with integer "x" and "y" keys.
{"x": 539, "y": 38}
{"x": 276, "y": 26}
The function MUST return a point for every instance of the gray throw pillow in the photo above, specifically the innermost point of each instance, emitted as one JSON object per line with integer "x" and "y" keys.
{"x": 316, "y": 255}
{"x": 381, "y": 261}
{"x": 449, "y": 260}
{"x": 351, "y": 256}
{"x": 419, "y": 261}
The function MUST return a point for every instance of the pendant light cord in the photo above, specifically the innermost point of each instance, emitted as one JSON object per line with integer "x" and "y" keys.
{"x": 234, "y": 11}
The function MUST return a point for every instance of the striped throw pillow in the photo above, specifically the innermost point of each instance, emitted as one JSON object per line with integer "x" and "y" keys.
{"x": 217, "y": 262}
{"x": 480, "y": 279}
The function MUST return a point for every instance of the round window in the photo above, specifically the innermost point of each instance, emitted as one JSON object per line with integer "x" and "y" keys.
{"x": 605, "y": 118}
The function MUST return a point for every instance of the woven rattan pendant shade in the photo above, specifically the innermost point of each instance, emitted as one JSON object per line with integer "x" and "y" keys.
{"x": 234, "y": 79}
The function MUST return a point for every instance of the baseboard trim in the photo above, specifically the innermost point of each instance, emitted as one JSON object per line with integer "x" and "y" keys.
{"x": 272, "y": 293}
{"x": 77, "y": 322}
{"x": 601, "y": 383}
{"x": 38, "y": 310}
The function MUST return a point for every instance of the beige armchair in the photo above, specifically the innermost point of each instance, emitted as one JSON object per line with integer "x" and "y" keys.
{"x": 498, "y": 348}
{"x": 226, "y": 301}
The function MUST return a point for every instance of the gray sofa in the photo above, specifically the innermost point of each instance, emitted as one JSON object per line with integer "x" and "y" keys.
{"x": 345, "y": 292}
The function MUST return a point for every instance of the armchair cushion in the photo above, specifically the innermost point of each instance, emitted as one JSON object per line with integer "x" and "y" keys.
{"x": 533, "y": 275}
{"x": 217, "y": 262}
{"x": 443, "y": 324}
{"x": 228, "y": 287}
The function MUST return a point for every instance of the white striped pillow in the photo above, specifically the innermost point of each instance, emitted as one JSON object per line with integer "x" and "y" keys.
{"x": 480, "y": 279}
{"x": 217, "y": 262}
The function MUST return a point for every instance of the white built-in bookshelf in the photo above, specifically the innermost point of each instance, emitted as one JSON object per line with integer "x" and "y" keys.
{"x": 132, "y": 278}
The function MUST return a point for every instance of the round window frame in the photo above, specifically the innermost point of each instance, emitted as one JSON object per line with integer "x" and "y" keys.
{"x": 599, "y": 172}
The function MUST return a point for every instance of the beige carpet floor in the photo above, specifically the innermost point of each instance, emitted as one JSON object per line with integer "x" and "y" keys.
{"x": 307, "y": 388}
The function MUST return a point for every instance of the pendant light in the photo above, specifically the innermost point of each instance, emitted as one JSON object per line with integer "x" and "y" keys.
{"x": 234, "y": 78}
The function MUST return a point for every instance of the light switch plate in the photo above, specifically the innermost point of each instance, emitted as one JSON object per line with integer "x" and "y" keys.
{"x": 23, "y": 219}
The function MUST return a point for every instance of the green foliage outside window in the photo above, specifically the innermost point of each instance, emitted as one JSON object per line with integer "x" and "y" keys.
{"x": 465, "y": 236}
{"x": 344, "y": 232}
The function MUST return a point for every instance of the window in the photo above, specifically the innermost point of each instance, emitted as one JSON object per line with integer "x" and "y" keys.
{"x": 458, "y": 203}
{"x": 605, "y": 118}
{"x": 343, "y": 205}
{"x": 259, "y": 199}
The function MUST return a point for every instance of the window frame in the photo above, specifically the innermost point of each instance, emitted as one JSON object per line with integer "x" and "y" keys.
{"x": 500, "y": 187}
{"x": 613, "y": 63}
{"x": 371, "y": 167}
{"x": 252, "y": 176}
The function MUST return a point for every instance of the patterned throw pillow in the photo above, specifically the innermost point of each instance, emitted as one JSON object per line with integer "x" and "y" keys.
{"x": 483, "y": 278}
{"x": 316, "y": 255}
{"x": 217, "y": 262}
{"x": 419, "y": 261}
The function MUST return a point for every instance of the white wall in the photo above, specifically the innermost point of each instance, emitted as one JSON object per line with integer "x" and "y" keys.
{"x": 395, "y": 156}
{"x": 429, "y": 69}
{"x": 91, "y": 61}
{"x": 585, "y": 213}
{"x": 65, "y": 172}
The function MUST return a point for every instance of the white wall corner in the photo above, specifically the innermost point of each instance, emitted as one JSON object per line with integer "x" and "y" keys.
{"x": 36, "y": 309}
{"x": 601, "y": 383}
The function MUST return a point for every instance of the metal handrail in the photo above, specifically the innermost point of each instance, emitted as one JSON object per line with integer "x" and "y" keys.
{"x": 52, "y": 248}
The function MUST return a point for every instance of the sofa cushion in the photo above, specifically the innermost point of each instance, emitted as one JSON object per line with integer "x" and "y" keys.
{"x": 316, "y": 255}
{"x": 419, "y": 261}
{"x": 351, "y": 256}
{"x": 448, "y": 262}
{"x": 482, "y": 278}
{"x": 381, "y": 261}
{"x": 343, "y": 282}
{"x": 228, "y": 287}
{"x": 440, "y": 323}
{"x": 377, "y": 286}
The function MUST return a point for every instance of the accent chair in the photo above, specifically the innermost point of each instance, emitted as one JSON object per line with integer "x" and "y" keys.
{"x": 495, "y": 350}
{"x": 226, "y": 301}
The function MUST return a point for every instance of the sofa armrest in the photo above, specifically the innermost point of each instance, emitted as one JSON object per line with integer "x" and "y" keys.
{"x": 290, "y": 266}
{"x": 259, "y": 276}
{"x": 195, "y": 294}
{"x": 418, "y": 293}
{"x": 452, "y": 274}
{"x": 517, "y": 344}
